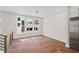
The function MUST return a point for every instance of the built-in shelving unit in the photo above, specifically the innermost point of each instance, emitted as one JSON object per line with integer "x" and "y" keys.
{"x": 27, "y": 24}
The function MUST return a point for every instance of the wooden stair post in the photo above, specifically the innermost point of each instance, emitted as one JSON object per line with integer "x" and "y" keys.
{"x": 5, "y": 44}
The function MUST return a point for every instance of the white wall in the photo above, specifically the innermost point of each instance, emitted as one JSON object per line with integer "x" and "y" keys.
{"x": 56, "y": 25}
{"x": 8, "y": 25}
{"x": 1, "y": 17}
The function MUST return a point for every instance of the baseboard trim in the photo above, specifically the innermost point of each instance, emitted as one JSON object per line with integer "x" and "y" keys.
{"x": 55, "y": 38}
{"x": 28, "y": 37}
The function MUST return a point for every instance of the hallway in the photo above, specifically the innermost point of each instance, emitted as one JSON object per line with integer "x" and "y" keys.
{"x": 38, "y": 44}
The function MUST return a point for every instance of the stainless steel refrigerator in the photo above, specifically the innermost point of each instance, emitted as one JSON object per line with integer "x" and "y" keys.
{"x": 74, "y": 32}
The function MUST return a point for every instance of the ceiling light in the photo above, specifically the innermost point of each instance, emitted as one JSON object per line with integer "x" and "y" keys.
{"x": 57, "y": 10}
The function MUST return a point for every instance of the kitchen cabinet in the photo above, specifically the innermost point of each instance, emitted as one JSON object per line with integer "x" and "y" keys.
{"x": 74, "y": 11}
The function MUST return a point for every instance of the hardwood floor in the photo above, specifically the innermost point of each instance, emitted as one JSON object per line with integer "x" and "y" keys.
{"x": 38, "y": 44}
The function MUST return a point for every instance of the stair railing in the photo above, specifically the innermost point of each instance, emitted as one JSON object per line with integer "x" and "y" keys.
{"x": 3, "y": 43}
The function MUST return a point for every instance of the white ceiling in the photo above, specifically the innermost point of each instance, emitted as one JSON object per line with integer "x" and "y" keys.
{"x": 30, "y": 10}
